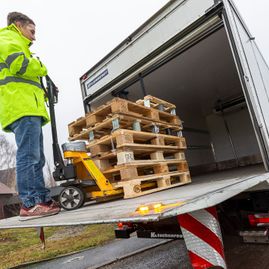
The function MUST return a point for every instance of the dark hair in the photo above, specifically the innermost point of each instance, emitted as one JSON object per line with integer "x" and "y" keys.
{"x": 13, "y": 17}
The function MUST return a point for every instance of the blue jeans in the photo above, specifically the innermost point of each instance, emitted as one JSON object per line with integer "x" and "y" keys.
{"x": 30, "y": 161}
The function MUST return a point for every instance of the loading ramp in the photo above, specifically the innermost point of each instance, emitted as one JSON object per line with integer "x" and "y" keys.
{"x": 205, "y": 191}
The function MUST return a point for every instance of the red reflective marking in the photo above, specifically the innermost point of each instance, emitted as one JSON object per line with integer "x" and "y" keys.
{"x": 212, "y": 211}
{"x": 198, "y": 262}
{"x": 253, "y": 220}
{"x": 192, "y": 225}
{"x": 262, "y": 220}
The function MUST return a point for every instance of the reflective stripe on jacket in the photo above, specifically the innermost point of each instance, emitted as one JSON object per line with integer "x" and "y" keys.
{"x": 21, "y": 93}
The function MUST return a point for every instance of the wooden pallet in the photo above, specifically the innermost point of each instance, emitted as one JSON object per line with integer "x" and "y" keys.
{"x": 148, "y": 184}
{"x": 133, "y": 112}
{"x": 126, "y": 155}
{"x": 77, "y": 126}
{"x": 121, "y": 121}
{"x": 128, "y": 146}
{"x": 157, "y": 103}
{"x": 139, "y": 141}
{"x": 131, "y": 156}
{"x": 118, "y": 105}
{"x": 136, "y": 169}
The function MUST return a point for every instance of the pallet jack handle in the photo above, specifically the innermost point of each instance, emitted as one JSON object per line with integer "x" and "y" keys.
{"x": 62, "y": 171}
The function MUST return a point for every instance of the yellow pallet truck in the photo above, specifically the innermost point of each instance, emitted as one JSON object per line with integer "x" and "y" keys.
{"x": 81, "y": 178}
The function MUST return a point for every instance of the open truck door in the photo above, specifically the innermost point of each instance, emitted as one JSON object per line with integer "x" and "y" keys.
{"x": 253, "y": 72}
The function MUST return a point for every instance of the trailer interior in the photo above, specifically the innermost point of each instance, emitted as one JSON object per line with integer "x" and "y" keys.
{"x": 204, "y": 84}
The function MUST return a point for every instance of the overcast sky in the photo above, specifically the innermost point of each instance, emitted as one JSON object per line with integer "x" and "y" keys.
{"x": 72, "y": 36}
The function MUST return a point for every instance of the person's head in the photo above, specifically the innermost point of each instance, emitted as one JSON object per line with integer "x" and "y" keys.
{"x": 23, "y": 23}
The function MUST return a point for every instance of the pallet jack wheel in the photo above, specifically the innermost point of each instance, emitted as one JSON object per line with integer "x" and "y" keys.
{"x": 71, "y": 198}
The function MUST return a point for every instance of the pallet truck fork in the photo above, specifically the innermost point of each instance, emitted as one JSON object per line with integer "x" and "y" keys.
{"x": 82, "y": 178}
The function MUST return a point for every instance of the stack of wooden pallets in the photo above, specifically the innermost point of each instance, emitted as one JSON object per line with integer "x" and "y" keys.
{"x": 138, "y": 146}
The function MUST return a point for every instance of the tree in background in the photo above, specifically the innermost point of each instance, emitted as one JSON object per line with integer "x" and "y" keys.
{"x": 7, "y": 162}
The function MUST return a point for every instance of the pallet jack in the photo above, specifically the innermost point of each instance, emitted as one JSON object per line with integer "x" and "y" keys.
{"x": 82, "y": 178}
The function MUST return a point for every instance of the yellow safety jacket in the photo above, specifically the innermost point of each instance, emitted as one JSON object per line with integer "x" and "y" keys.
{"x": 21, "y": 93}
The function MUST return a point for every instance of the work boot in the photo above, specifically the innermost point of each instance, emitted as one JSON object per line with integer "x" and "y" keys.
{"x": 39, "y": 211}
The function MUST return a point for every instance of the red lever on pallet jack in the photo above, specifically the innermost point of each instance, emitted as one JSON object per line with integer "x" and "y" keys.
{"x": 259, "y": 219}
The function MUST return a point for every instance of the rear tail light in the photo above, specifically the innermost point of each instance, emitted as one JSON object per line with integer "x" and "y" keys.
{"x": 259, "y": 220}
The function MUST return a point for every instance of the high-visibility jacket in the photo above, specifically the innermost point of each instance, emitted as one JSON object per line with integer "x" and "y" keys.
{"x": 21, "y": 93}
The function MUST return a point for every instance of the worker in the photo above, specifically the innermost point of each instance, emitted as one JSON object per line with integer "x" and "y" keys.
{"x": 23, "y": 112}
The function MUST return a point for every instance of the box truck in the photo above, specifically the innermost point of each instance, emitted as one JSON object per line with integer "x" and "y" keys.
{"x": 199, "y": 55}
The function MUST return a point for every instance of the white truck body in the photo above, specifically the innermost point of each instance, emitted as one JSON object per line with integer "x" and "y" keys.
{"x": 199, "y": 55}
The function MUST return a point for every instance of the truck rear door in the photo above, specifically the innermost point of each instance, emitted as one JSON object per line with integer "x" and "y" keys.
{"x": 253, "y": 71}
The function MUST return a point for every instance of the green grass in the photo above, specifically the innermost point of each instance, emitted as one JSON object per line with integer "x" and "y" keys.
{"x": 19, "y": 246}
